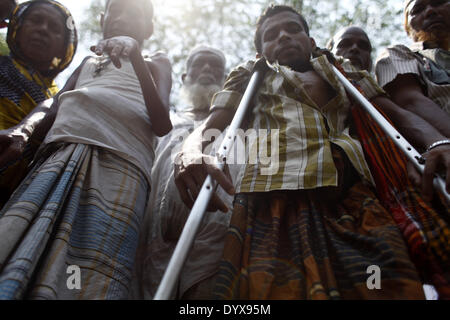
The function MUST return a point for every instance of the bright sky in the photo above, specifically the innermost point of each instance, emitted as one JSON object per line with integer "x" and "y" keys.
{"x": 77, "y": 8}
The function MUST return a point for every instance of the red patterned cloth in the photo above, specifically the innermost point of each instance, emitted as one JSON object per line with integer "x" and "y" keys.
{"x": 425, "y": 226}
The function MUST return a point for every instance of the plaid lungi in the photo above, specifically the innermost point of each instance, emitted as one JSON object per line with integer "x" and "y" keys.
{"x": 80, "y": 206}
{"x": 425, "y": 226}
{"x": 315, "y": 244}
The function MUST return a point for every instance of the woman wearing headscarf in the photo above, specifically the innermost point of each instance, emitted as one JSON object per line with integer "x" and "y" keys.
{"x": 418, "y": 79}
{"x": 42, "y": 40}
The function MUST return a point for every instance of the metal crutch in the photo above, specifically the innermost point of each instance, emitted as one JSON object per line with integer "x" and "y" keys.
{"x": 201, "y": 203}
{"x": 398, "y": 139}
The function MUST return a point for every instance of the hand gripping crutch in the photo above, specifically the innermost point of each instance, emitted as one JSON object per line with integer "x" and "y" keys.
{"x": 201, "y": 203}
{"x": 398, "y": 139}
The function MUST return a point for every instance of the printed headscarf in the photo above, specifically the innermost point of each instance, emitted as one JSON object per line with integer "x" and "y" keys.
{"x": 407, "y": 7}
{"x": 407, "y": 3}
{"x": 71, "y": 37}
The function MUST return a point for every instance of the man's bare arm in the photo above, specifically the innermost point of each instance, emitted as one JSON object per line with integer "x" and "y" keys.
{"x": 419, "y": 132}
{"x": 157, "y": 109}
{"x": 421, "y": 135}
{"x": 406, "y": 92}
{"x": 161, "y": 70}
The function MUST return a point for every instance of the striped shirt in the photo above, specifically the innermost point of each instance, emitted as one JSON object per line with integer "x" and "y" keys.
{"x": 432, "y": 66}
{"x": 292, "y": 130}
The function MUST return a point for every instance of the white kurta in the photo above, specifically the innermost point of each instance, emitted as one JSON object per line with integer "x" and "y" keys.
{"x": 167, "y": 215}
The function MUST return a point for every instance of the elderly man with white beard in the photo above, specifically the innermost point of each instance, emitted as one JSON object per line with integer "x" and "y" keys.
{"x": 205, "y": 74}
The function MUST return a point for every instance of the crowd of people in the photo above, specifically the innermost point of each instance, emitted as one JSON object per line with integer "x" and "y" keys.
{"x": 101, "y": 175}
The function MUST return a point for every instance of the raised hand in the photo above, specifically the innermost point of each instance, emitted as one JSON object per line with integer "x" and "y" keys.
{"x": 191, "y": 171}
{"x": 437, "y": 161}
{"x": 116, "y": 47}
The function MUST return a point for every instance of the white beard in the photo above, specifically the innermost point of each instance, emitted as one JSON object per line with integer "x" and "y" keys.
{"x": 197, "y": 97}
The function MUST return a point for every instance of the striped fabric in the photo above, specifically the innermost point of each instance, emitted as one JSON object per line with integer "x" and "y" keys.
{"x": 315, "y": 244}
{"x": 80, "y": 206}
{"x": 298, "y": 132}
{"x": 399, "y": 60}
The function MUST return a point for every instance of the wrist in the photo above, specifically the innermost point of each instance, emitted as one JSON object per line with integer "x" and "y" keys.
{"x": 135, "y": 52}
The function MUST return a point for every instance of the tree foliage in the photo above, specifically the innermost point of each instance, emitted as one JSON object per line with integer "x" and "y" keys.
{"x": 4, "y": 50}
{"x": 229, "y": 25}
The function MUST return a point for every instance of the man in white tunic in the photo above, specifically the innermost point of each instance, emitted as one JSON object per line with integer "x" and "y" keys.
{"x": 205, "y": 74}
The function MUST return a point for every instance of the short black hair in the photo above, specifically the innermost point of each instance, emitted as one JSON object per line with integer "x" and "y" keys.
{"x": 270, "y": 11}
{"x": 332, "y": 42}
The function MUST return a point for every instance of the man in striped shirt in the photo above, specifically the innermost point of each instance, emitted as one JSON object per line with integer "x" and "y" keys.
{"x": 353, "y": 43}
{"x": 418, "y": 80}
{"x": 306, "y": 223}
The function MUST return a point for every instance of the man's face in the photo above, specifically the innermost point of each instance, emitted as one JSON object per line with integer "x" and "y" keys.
{"x": 124, "y": 18}
{"x": 206, "y": 68}
{"x": 283, "y": 38}
{"x": 430, "y": 16}
{"x": 354, "y": 45}
{"x": 41, "y": 36}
